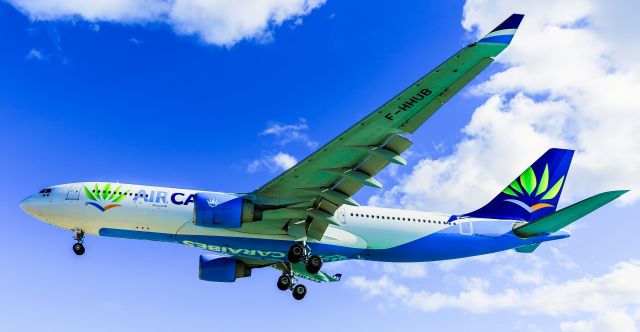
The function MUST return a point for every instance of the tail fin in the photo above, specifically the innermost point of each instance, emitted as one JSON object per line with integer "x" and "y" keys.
{"x": 534, "y": 194}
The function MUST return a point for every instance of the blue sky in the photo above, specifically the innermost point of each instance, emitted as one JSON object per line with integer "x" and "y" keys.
{"x": 142, "y": 101}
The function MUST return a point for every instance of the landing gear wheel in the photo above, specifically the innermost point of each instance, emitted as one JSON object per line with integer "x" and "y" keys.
{"x": 284, "y": 282}
{"x": 296, "y": 253}
{"x": 299, "y": 291}
{"x": 78, "y": 248}
{"x": 314, "y": 264}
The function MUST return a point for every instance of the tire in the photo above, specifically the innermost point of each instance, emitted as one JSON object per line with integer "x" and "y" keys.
{"x": 78, "y": 249}
{"x": 284, "y": 282}
{"x": 299, "y": 291}
{"x": 314, "y": 264}
{"x": 296, "y": 253}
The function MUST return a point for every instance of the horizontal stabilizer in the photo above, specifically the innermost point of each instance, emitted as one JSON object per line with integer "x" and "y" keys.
{"x": 556, "y": 221}
{"x": 528, "y": 248}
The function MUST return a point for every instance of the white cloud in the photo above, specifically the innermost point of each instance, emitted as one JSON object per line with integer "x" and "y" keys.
{"x": 405, "y": 270}
{"x": 126, "y": 11}
{"x": 611, "y": 321}
{"x": 608, "y": 297}
{"x": 568, "y": 83}
{"x": 280, "y": 161}
{"x": 217, "y": 22}
{"x": 34, "y": 55}
{"x": 284, "y": 161}
{"x": 288, "y": 133}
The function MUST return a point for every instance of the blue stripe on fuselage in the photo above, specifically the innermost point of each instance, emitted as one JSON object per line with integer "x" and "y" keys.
{"x": 448, "y": 243}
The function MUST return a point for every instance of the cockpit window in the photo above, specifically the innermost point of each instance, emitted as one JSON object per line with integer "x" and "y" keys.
{"x": 45, "y": 191}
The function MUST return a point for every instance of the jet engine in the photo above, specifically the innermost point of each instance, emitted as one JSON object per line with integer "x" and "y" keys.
{"x": 222, "y": 269}
{"x": 208, "y": 211}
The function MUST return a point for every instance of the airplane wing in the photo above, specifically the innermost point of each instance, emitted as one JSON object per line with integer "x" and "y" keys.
{"x": 310, "y": 192}
{"x": 298, "y": 270}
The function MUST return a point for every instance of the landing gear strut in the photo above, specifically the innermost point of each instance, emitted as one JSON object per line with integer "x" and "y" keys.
{"x": 78, "y": 236}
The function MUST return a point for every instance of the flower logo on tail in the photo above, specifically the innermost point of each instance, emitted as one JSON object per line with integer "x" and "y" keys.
{"x": 524, "y": 189}
{"x": 104, "y": 198}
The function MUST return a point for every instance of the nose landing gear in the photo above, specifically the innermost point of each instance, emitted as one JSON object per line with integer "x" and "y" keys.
{"x": 78, "y": 236}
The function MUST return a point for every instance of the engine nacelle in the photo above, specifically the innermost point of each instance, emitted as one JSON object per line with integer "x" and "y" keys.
{"x": 222, "y": 269}
{"x": 208, "y": 211}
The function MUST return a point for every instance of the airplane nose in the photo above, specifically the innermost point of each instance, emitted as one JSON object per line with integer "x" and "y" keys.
{"x": 27, "y": 205}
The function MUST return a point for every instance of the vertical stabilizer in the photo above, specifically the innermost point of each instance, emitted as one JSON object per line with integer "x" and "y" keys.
{"x": 535, "y": 193}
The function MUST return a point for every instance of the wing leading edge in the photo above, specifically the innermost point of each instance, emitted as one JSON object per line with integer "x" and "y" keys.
{"x": 303, "y": 199}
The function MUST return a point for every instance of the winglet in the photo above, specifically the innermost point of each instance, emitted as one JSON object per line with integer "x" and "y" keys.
{"x": 504, "y": 32}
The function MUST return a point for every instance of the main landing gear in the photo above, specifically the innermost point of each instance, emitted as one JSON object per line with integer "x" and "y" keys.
{"x": 299, "y": 252}
{"x": 286, "y": 281}
{"x": 78, "y": 236}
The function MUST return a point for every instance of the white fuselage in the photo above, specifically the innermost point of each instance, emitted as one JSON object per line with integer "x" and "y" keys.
{"x": 166, "y": 214}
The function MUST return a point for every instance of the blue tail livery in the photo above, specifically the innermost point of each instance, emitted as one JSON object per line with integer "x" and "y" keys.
{"x": 535, "y": 193}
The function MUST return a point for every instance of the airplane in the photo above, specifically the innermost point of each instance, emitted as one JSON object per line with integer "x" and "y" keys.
{"x": 306, "y": 216}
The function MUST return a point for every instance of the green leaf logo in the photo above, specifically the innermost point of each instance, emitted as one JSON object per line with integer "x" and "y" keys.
{"x": 528, "y": 180}
{"x": 527, "y": 188}
{"x": 553, "y": 192}
{"x": 544, "y": 182}
{"x": 105, "y": 198}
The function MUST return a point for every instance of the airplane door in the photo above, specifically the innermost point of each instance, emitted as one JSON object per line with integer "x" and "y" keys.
{"x": 466, "y": 228}
{"x": 74, "y": 192}
{"x": 341, "y": 216}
